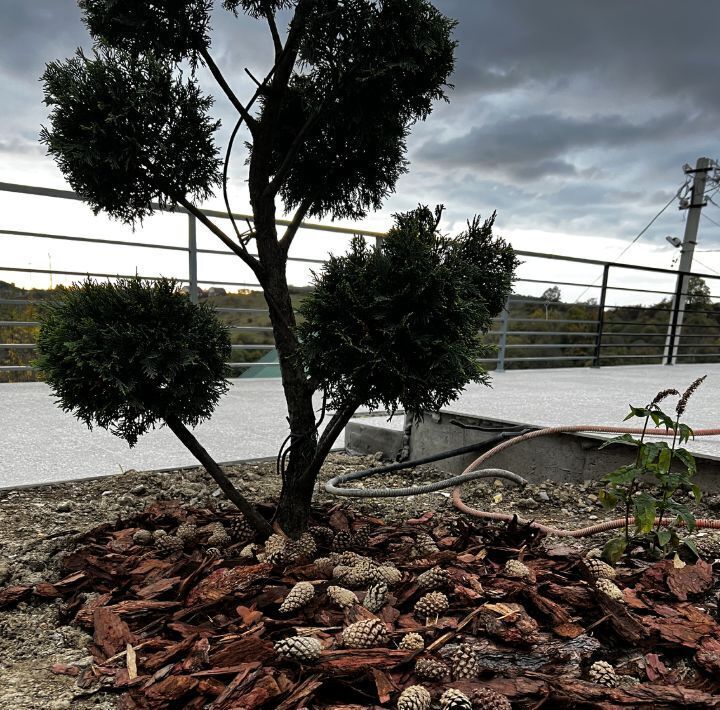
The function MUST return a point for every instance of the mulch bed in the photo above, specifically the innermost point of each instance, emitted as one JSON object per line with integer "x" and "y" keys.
{"x": 194, "y": 629}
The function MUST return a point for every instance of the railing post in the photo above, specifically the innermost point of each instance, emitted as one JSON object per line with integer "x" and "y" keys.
{"x": 601, "y": 317}
{"x": 678, "y": 307}
{"x": 502, "y": 342}
{"x": 192, "y": 258}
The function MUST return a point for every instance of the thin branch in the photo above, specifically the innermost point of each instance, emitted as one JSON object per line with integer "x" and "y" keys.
{"x": 253, "y": 77}
{"x": 277, "y": 42}
{"x": 240, "y": 250}
{"x": 242, "y": 110}
{"x": 295, "y": 223}
{"x": 196, "y": 448}
{"x": 335, "y": 426}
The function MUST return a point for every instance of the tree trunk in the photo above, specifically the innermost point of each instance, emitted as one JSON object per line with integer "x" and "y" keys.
{"x": 198, "y": 451}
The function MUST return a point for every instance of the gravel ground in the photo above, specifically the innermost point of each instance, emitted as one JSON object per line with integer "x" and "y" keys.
{"x": 38, "y": 526}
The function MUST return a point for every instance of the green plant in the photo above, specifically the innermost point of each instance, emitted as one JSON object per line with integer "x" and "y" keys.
{"x": 647, "y": 486}
{"x": 401, "y": 324}
{"x": 325, "y": 128}
{"x": 132, "y": 355}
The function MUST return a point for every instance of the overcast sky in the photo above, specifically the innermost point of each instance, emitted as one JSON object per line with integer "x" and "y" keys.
{"x": 571, "y": 119}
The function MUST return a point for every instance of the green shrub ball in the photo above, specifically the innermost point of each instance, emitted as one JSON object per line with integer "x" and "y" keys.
{"x": 128, "y": 355}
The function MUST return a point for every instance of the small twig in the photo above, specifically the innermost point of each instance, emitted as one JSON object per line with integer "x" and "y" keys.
{"x": 440, "y": 642}
{"x": 598, "y": 622}
{"x": 252, "y": 76}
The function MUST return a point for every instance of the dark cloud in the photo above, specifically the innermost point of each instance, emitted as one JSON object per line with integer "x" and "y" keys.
{"x": 532, "y": 146}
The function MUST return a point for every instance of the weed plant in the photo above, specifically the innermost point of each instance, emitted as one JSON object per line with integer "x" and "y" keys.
{"x": 648, "y": 487}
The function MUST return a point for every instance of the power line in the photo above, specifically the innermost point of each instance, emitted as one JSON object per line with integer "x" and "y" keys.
{"x": 707, "y": 267}
{"x": 710, "y": 219}
{"x": 640, "y": 233}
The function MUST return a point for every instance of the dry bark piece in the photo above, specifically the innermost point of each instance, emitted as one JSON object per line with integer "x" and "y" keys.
{"x": 300, "y": 648}
{"x": 300, "y": 595}
{"x": 365, "y": 634}
{"x": 412, "y": 642}
{"x": 344, "y": 598}
{"x": 414, "y": 697}
{"x": 454, "y": 699}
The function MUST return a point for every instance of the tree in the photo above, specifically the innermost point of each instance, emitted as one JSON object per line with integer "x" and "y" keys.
{"x": 129, "y": 125}
{"x": 698, "y": 294}
{"x": 129, "y": 355}
{"x": 551, "y": 295}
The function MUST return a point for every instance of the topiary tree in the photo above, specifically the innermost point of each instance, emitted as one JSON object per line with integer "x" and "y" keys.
{"x": 400, "y": 325}
{"x": 326, "y": 130}
{"x": 131, "y": 355}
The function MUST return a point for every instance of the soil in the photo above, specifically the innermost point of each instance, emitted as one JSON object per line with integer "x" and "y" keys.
{"x": 39, "y": 526}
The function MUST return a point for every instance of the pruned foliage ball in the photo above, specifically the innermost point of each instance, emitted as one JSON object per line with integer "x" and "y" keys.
{"x": 401, "y": 325}
{"x": 125, "y": 131}
{"x": 126, "y": 356}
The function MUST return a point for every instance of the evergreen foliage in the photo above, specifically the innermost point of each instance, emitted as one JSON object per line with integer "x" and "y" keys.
{"x": 126, "y": 356}
{"x": 125, "y": 132}
{"x": 400, "y": 325}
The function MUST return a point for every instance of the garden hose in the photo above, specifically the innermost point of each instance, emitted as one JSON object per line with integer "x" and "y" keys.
{"x": 474, "y": 467}
{"x": 498, "y": 443}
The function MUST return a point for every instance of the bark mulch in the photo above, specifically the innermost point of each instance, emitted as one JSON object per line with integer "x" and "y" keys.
{"x": 196, "y": 629}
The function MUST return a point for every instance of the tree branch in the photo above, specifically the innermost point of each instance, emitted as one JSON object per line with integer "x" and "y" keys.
{"x": 242, "y": 110}
{"x": 295, "y": 223}
{"x": 239, "y": 249}
{"x": 226, "y": 486}
{"x": 335, "y": 426}
{"x": 270, "y": 17}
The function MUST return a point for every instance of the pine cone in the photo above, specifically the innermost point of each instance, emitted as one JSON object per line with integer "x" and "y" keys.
{"x": 325, "y": 566}
{"x": 350, "y": 576}
{"x": 432, "y": 604}
{"x": 599, "y": 569}
{"x": 465, "y": 662}
{"x": 344, "y": 598}
{"x": 348, "y": 558}
{"x": 365, "y": 634}
{"x": 218, "y": 536}
{"x": 517, "y": 570}
{"x": 606, "y": 587}
{"x": 361, "y": 538}
{"x": 249, "y": 551}
{"x": 414, "y": 697}
{"x": 424, "y": 546}
{"x": 486, "y": 699}
{"x": 143, "y": 537}
{"x": 187, "y": 532}
{"x": 322, "y": 535}
{"x": 298, "y": 597}
{"x": 431, "y": 669}
{"x": 275, "y": 548}
{"x": 302, "y": 648}
{"x": 169, "y": 543}
{"x": 376, "y": 597}
{"x": 602, "y": 673}
{"x": 384, "y": 574}
{"x": 342, "y": 541}
{"x": 434, "y": 578}
{"x": 303, "y": 548}
{"x": 453, "y": 699}
{"x": 412, "y": 642}
{"x": 157, "y": 534}
{"x": 240, "y": 530}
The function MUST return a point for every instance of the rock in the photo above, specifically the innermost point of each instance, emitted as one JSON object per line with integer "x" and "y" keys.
{"x": 64, "y": 506}
{"x": 497, "y": 483}
{"x": 139, "y": 490}
{"x": 126, "y": 500}
{"x": 543, "y": 496}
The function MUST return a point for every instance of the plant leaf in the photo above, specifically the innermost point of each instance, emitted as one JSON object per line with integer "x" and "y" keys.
{"x": 614, "y": 550}
{"x": 645, "y": 507}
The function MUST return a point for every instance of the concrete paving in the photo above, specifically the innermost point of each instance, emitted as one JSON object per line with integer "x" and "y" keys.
{"x": 41, "y": 444}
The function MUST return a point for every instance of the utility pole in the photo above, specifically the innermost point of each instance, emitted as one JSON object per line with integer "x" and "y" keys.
{"x": 697, "y": 202}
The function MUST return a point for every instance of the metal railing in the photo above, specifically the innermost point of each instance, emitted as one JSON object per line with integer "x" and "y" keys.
{"x": 590, "y": 333}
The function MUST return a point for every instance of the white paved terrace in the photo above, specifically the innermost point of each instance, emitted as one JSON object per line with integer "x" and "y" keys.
{"x": 41, "y": 444}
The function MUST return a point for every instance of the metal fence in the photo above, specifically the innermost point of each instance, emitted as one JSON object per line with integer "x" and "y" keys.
{"x": 533, "y": 331}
